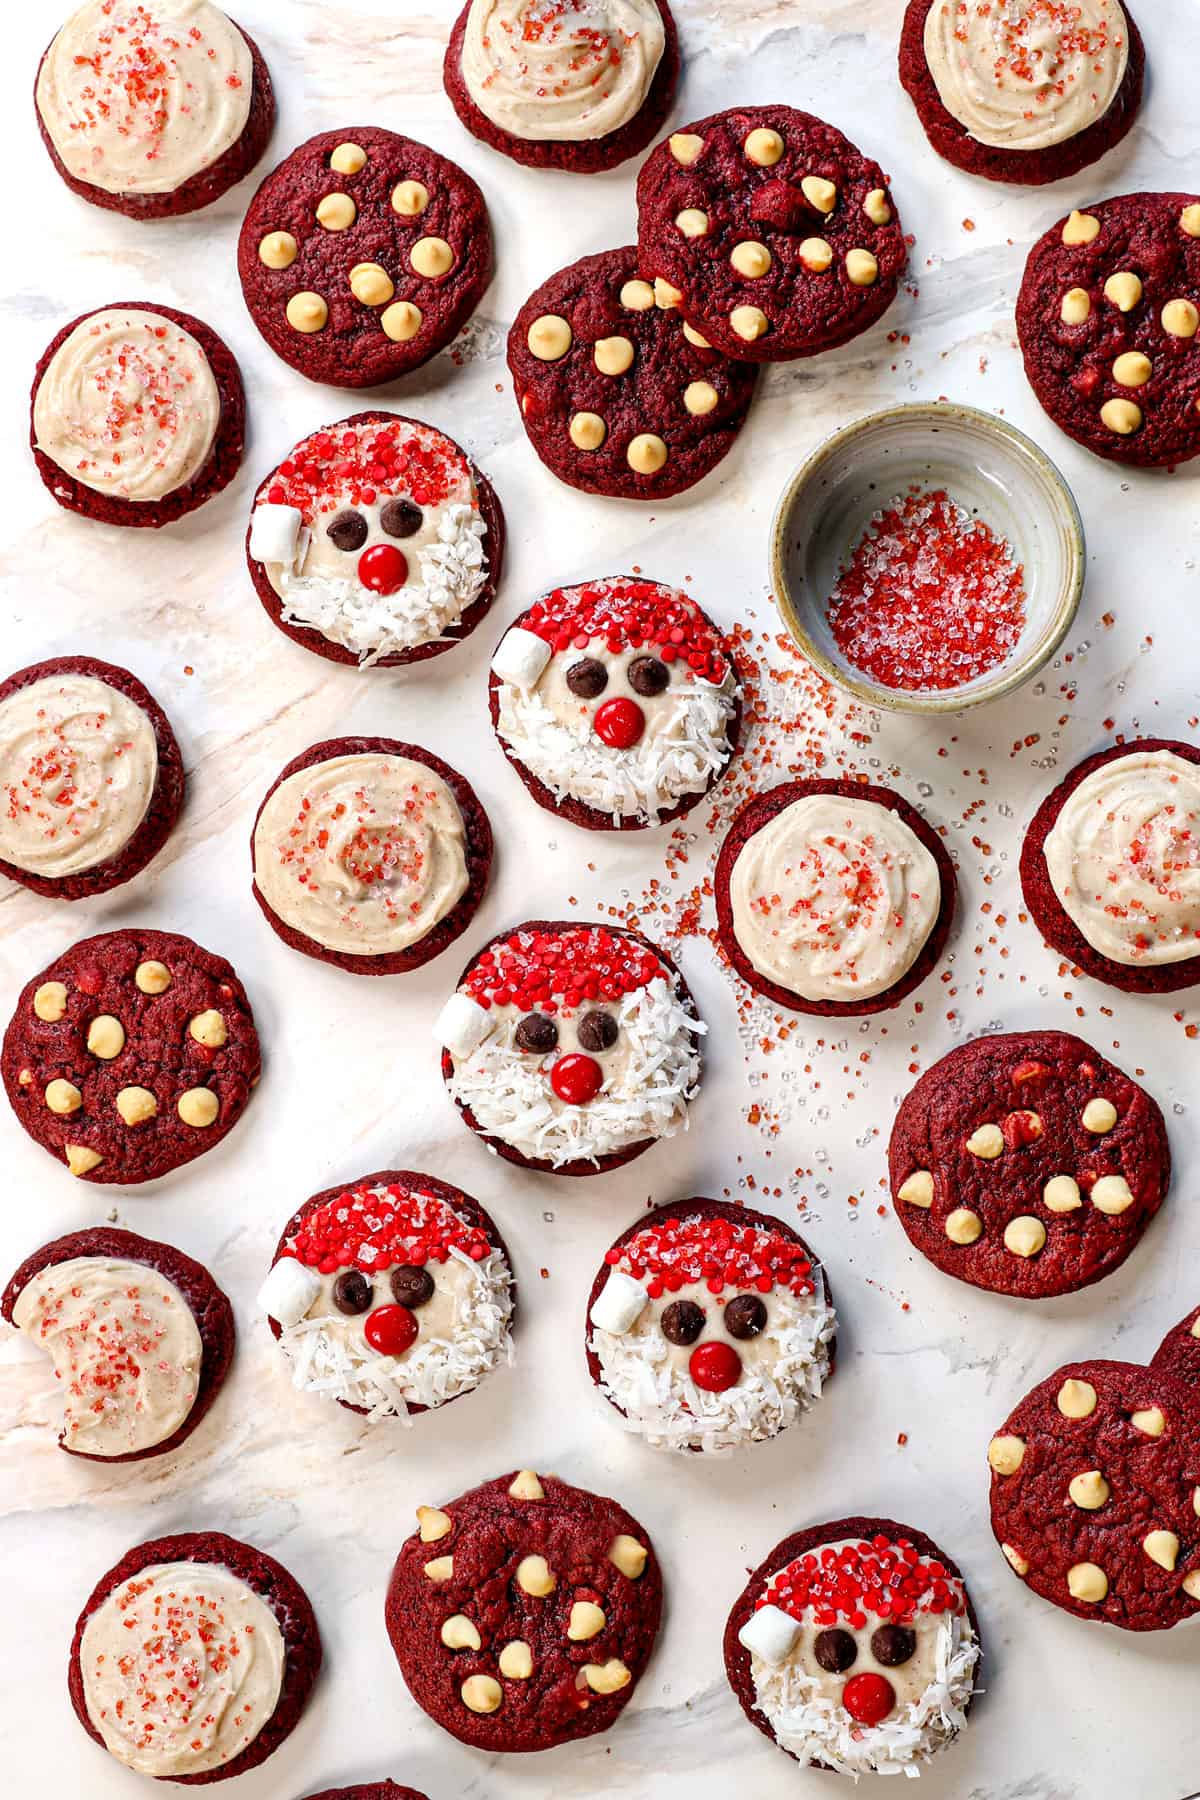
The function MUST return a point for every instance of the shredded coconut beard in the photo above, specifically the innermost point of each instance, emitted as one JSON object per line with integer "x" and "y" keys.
{"x": 641, "y": 782}
{"x": 812, "y": 1728}
{"x": 437, "y": 1370}
{"x": 662, "y": 1403}
{"x": 510, "y": 1097}
{"x": 453, "y": 574}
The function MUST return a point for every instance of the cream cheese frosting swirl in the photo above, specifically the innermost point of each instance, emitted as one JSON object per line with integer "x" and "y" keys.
{"x": 1124, "y": 858}
{"x": 834, "y": 898}
{"x": 364, "y": 854}
{"x": 128, "y": 405}
{"x": 561, "y": 71}
{"x": 1026, "y": 74}
{"x": 138, "y": 97}
{"x": 182, "y": 1667}
{"x": 78, "y": 767}
{"x": 126, "y": 1349}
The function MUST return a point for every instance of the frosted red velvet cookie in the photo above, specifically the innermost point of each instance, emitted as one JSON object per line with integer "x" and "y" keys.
{"x": 392, "y": 1295}
{"x": 617, "y": 702}
{"x": 855, "y": 1648}
{"x": 710, "y": 1326}
{"x": 571, "y": 1048}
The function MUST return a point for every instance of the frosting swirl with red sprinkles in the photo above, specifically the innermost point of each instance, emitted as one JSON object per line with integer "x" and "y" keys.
{"x": 878, "y": 1577}
{"x": 561, "y": 970}
{"x": 378, "y": 1227}
{"x": 631, "y": 615}
{"x": 680, "y": 1252}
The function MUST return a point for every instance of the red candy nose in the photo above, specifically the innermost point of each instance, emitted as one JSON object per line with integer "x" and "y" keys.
{"x": 620, "y": 723}
{"x": 383, "y": 568}
{"x": 391, "y": 1329}
{"x": 576, "y": 1079}
{"x": 869, "y": 1698}
{"x": 714, "y": 1367}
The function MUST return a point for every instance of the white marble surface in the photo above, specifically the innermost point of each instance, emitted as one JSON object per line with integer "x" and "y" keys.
{"x": 351, "y": 1082}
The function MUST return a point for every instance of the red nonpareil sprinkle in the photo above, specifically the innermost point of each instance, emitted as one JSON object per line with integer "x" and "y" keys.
{"x": 631, "y": 615}
{"x": 719, "y": 1252}
{"x": 561, "y": 969}
{"x": 376, "y": 1228}
{"x": 930, "y": 599}
{"x": 891, "y": 1580}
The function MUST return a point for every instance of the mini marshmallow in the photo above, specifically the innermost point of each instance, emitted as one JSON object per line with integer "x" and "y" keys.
{"x": 289, "y": 1291}
{"x": 521, "y": 657}
{"x": 275, "y": 533}
{"x": 771, "y": 1634}
{"x": 619, "y": 1303}
{"x": 461, "y": 1025}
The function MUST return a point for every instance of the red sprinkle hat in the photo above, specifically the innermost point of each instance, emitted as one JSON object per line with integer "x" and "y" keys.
{"x": 891, "y": 1580}
{"x": 376, "y": 1228}
{"x": 718, "y": 1252}
{"x": 630, "y": 615}
{"x": 354, "y": 464}
{"x": 561, "y": 970}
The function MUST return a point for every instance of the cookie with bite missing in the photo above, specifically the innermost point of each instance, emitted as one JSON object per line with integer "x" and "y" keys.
{"x": 1179, "y": 1353}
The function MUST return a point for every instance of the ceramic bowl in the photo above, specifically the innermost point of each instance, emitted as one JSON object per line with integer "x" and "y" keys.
{"x": 985, "y": 465}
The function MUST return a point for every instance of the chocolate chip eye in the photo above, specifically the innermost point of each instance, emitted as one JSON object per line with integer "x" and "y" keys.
{"x": 646, "y": 675}
{"x": 587, "y": 678}
{"x": 682, "y": 1322}
{"x": 536, "y": 1033}
{"x": 597, "y": 1031}
{"x": 351, "y": 1292}
{"x": 835, "y": 1650}
{"x": 745, "y": 1316}
{"x": 412, "y": 1286}
{"x": 400, "y": 518}
{"x": 347, "y": 530}
{"x": 892, "y": 1645}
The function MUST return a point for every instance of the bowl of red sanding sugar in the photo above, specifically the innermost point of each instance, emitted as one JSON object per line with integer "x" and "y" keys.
{"x": 928, "y": 558}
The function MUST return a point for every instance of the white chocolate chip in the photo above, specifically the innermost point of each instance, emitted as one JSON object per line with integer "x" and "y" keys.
{"x": 62, "y": 1097}
{"x": 587, "y": 430}
{"x": 876, "y": 207}
{"x": 459, "y": 1633}
{"x": 1089, "y": 1491}
{"x": 549, "y": 337}
{"x": 1081, "y": 228}
{"x": 1099, "y": 1116}
{"x": 1189, "y": 220}
{"x": 750, "y": 258}
{"x": 371, "y": 284}
{"x": 765, "y": 147}
{"x": 1133, "y": 369}
{"x": 81, "y": 1160}
{"x": 1111, "y": 1194}
{"x": 748, "y": 323}
{"x": 106, "y": 1037}
{"x": 692, "y": 222}
{"x": 336, "y": 212}
{"x": 433, "y": 1524}
{"x": 1151, "y": 1420}
{"x": 209, "y": 1028}
{"x": 1076, "y": 1399}
{"x": 1025, "y": 1236}
{"x": 646, "y": 453}
{"x": 963, "y": 1226}
{"x": 401, "y": 321}
{"x": 685, "y": 147}
{"x": 534, "y": 1576}
{"x": 516, "y": 1660}
{"x": 1121, "y": 416}
{"x": 136, "y": 1105}
{"x": 1180, "y": 319}
{"x": 410, "y": 198}
{"x": 862, "y": 268}
{"x": 586, "y": 1621}
{"x": 1162, "y": 1547}
{"x": 431, "y": 257}
{"x": 637, "y": 296}
{"x": 1006, "y": 1454}
{"x": 348, "y": 158}
{"x": 526, "y": 1486}
{"x": 50, "y": 1002}
{"x": 1076, "y": 306}
{"x": 626, "y": 1554}
{"x": 987, "y": 1142}
{"x": 482, "y": 1693}
{"x": 607, "y": 1678}
{"x": 1124, "y": 289}
{"x": 819, "y": 193}
{"x": 152, "y": 977}
{"x": 1061, "y": 1194}
{"x": 918, "y": 1189}
{"x": 1191, "y": 1583}
{"x": 440, "y": 1569}
{"x": 278, "y": 250}
{"x": 666, "y": 296}
{"x": 700, "y": 398}
{"x": 693, "y": 337}
{"x": 1016, "y": 1560}
{"x": 612, "y": 355}
{"x": 198, "y": 1107}
{"x": 1196, "y": 1501}
{"x": 307, "y": 312}
{"x": 1087, "y": 1581}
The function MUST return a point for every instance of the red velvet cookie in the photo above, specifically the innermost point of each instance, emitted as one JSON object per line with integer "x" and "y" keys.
{"x": 125, "y": 102}
{"x": 1026, "y": 1164}
{"x": 371, "y": 1790}
{"x": 91, "y": 777}
{"x": 109, "y": 1339}
{"x": 148, "y": 460}
{"x": 571, "y": 1048}
{"x": 1179, "y": 1353}
{"x": 1118, "y": 829}
{"x": 362, "y": 255}
{"x": 798, "y": 879}
{"x": 855, "y": 1648}
{"x": 1096, "y": 1494}
{"x": 615, "y": 396}
{"x": 1024, "y": 87}
{"x": 360, "y": 851}
{"x": 1107, "y": 319}
{"x": 770, "y": 231}
{"x": 394, "y": 1263}
{"x": 376, "y": 542}
{"x": 700, "y": 1361}
{"x": 130, "y": 1054}
{"x": 250, "y": 1608}
{"x": 606, "y": 74}
{"x": 618, "y": 703}
{"x": 524, "y": 1613}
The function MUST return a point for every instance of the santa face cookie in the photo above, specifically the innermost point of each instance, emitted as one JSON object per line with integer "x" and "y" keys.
{"x": 617, "y": 702}
{"x": 571, "y": 1048}
{"x": 91, "y": 778}
{"x": 370, "y": 854}
{"x": 710, "y": 1327}
{"x": 140, "y": 1335}
{"x": 376, "y": 541}
{"x": 1110, "y": 866}
{"x": 137, "y": 416}
{"x": 1028, "y": 92}
{"x": 194, "y": 1658}
{"x": 153, "y": 107}
{"x": 391, "y": 1296}
{"x": 523, "y": 1614}
{"x": 854, "y": 1648}
{"x": 563, "y": 84}
{"x": 1096, "y": 1494}
{"x": 833, "y": 897}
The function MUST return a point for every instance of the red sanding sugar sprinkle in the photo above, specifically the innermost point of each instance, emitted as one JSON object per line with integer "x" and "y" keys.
{"x": 355, "y": 465}
{"x": 930, "y": 599}
{"x": 869, "y": 1576}
{"x": 718, "y": 1252}
{"x": 561, "y": 970}
{"x": 376, "y": 1228}
{"x": 631, "y": 615}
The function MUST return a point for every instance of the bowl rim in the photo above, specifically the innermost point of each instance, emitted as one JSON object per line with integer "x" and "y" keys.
{"x": 1011, "y": 675}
